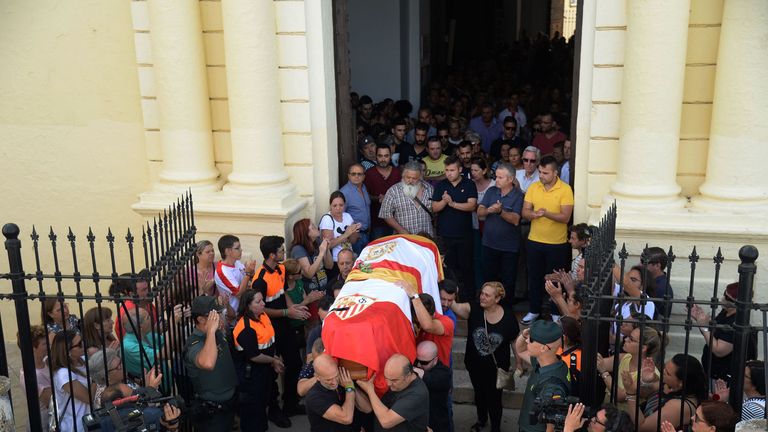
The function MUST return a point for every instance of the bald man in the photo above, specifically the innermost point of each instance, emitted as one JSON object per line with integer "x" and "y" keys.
{"x": 401, "y": 408}
{"x": 437, "y": 378}
{"x": 331, "y": 401}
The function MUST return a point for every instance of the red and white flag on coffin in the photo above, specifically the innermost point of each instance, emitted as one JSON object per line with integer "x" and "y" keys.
{"x": 371, "y": 318}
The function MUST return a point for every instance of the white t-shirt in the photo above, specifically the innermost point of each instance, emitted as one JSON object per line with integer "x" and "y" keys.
{"x": 228, "y": 279}
{"x": 628, "y": 306}
{"x": 65, "y": 400}
{"x": 327, "y": 222}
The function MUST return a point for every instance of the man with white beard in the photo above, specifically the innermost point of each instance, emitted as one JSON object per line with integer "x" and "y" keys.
{"x": 406, "y": 204}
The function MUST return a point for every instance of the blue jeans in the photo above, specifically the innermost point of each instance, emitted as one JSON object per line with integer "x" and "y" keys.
{"x": 360, "y": 243}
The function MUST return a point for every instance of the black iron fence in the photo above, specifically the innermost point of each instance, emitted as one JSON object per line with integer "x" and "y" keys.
{"x": 123, "y": 321}
{"x": 613, "y": 309}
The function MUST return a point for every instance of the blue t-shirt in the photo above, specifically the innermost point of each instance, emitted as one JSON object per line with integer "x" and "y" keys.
{"x": 499, "y": 234}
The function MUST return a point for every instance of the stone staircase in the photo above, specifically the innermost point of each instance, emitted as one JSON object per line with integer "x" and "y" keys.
{"x": 463, "y": 393}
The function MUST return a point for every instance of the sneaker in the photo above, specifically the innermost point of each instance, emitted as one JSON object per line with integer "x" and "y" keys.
{"x": 529, "y": 318}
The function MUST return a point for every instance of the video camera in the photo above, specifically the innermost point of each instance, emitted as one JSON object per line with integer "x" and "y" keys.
{"x": 140, "y": 412}
{"x": 552, "y": 410}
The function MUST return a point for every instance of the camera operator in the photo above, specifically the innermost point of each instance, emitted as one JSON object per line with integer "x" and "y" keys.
{"x": 608, "y": 417}
{"x": 152, "y": 417}
{"x": 538, "y": 346}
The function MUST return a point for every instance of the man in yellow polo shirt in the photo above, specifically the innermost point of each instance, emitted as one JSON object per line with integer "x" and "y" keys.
{"x": 548, "y": 205}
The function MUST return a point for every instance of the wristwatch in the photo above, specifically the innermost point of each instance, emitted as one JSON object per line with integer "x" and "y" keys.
{"x": 414, "y": 297}
{"x": 349, "y": 389}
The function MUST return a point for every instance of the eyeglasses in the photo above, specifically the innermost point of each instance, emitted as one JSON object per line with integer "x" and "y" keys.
{"x": 595, "y": 420}
{"x": 529, "y": 160}
{"x": 419, "y": 362}
{"x": 357, "y": 174}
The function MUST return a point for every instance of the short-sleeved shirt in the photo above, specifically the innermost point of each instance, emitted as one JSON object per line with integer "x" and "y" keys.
{"x": 435, "y": 168}
{"x": 135, "y": 361}
{"x": 406, "y": 211}
{"x": 317, "y": 401}
{"x": 547, "y": 145}
{"x": 411, "y": 404}
{"x": 408, "y": 153}
{"x": 526, "y": 182}
{"x": 217, "y": 385}
{"x": 452, "y": 222}
{"x": 480, "y": 345}
{"x": 320, "y": 280}
{"x": 543, "y": 229}
{"x": 545, "y": 382}
{"x": 327, "y": 222}
{"x": 357, "y": 204}
{"x": 378, "y": 185}
{"x": 498, "y": 233}
{"x": 721, "y": 366}
{"x": 444, "y": 342}
{"x": 65, "y": 400}
{"x": 228, "y": 279}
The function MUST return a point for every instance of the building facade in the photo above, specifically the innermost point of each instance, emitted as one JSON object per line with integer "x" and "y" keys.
{"x": 110, "y": 109}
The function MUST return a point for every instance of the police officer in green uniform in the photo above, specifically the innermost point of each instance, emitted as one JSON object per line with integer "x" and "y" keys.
{"x": 538, "y": 346}
{"x": 208, "y": 360}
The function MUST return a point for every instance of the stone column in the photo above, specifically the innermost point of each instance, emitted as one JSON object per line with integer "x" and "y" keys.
{"x": 182, "y": 96}
{"x": 250, "y": 47}
{"x": 652, "y": 96}
{"x": 738, "y": 140}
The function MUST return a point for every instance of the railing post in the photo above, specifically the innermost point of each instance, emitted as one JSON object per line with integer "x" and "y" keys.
{"x": 13, "y": 248}
{"x": 748, "y": 255}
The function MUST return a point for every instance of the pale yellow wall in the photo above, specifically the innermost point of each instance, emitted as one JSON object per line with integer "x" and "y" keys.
{"x": 71, "y": 134}
{"x": 293, "y": 73}
{"x": 599, "y": 162}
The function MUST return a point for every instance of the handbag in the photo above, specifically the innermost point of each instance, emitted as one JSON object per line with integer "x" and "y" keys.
{"x": 54, "y": 424}
{"x": 504, "y": 379}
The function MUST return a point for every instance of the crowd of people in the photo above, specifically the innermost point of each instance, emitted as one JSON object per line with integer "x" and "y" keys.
{"x": 484, "y": 170}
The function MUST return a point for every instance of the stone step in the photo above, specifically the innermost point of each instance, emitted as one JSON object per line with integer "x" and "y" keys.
{"x": 463, "y": 393}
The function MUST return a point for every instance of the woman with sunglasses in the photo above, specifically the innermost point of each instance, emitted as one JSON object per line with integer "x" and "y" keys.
{"x": 70, "y": 384}
{"x": 719, "y": 343}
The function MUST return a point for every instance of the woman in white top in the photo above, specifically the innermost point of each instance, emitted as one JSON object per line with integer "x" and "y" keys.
{"x": 69, "y": 381}
{"x": 338, "y": 228}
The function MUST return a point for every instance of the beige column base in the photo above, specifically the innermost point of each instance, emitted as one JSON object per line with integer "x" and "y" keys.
{"x": 219, "y": 213}
{"x": 649, "y": 204}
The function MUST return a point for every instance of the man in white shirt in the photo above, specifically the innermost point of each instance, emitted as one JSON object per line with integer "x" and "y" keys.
{"x": 530, "y": 173}
{"x": 231, "y": 275}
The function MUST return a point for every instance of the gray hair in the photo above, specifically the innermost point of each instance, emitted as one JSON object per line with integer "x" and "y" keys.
{"x": 98, "y": 368}
{"x": 472, "y": 136}
{"x": 534, "y": 150}
{"x": 508, "y": 167}
{"x": 412, "y": 166}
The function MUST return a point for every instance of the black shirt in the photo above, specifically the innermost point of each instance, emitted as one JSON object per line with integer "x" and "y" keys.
{"x": 500, "y": 335}
{"x": 438, "y": 381}
{"x": 409, "y": 404}
{"x": 317, "y": 401}
{"x": 452, "y": 222}
{"x": 721, "y": 366}
{"x": 408, "y": 153}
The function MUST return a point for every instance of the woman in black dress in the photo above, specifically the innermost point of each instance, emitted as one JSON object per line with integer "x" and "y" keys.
{"x": 492, "y": 328}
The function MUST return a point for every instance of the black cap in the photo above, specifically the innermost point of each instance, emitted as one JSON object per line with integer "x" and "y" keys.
{"x": 204, "y": 304}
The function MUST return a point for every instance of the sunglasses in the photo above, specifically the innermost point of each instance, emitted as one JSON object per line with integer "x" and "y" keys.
{"x": 529, "y": 160}
{"x": 419, "y": 362}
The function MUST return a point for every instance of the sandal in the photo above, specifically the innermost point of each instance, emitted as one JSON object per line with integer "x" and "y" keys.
{"x": 477, "y": 427}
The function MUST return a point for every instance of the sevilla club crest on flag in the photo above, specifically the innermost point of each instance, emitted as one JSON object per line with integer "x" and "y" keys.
{"x": 351, "y": 305}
